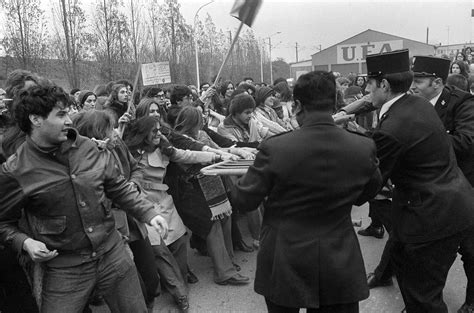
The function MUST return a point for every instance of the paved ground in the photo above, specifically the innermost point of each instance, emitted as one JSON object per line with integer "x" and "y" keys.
{"x": 206, "y": 296}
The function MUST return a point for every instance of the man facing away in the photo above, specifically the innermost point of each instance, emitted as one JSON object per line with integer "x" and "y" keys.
{"x": 432, "y": 207}
{"x": 309, "y": 255}
{"x": 61, "y": 180}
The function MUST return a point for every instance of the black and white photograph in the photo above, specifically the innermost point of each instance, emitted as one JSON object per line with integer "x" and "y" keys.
{"x": 252, "y": 156}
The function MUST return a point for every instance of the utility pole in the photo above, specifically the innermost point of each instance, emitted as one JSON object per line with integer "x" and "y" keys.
{"x": 196, "y": 44}
{"x": 427, "y": 34}
{"x": 270, "y": 54}
{"x": 231, "y": 56}
{"x": 262, "y": 49}
{"x": 296, "y": 47}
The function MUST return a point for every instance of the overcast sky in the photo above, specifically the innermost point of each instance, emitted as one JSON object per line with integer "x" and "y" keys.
{"x": 314, "y": 22}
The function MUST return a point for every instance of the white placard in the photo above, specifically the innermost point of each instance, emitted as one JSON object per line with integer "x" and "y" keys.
{"x": 156, "y": 73}
{"x": 356, "y": 53}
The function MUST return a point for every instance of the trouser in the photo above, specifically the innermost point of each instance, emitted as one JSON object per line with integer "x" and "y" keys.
{"x": 422, "y": 269}
{"x": 335, "y": 308}
{"x": 170, "y": 273}
{"x": 254, "y": 223}
{"x": 179, "y": 249}
{"x": 219, "y": 246}
{"x": 15, "y": 291}
{"x": 466, "y": 250}
{"x": 145, "y": 262}
{"x": 113, "y": 275}
{"x": 380, "y": 211}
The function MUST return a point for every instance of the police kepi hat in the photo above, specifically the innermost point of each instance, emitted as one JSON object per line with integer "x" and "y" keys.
{"x": 425, "y": 66}
{"x": 392, "y": 62}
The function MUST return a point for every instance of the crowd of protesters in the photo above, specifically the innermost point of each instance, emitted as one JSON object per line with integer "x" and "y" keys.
{"x": 158, "y": 139}
{"x": 127, "y": 163}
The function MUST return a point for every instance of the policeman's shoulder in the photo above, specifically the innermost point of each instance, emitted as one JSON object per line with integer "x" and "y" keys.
{"x": 460, "y": 94}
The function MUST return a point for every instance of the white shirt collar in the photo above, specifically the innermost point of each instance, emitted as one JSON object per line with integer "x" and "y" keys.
{"x": 386, "y": 106}
{"x": 435, "y": 99}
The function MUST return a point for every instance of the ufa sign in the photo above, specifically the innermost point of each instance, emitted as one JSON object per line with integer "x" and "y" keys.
{"x": 356, "y": 53}
{"x": 156, "y": 73}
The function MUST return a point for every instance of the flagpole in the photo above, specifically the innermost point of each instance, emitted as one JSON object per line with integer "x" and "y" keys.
{"x": 229, "y": 52}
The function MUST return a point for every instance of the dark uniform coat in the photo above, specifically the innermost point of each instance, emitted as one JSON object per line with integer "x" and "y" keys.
{"x": 309, "y": 254}
{"x": 456, "y": 110}
{"x": 432, "y": 199}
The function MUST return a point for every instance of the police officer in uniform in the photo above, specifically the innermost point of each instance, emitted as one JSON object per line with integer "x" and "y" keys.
{"x": 433, "y": 202}
{"x": 455, "y": 108}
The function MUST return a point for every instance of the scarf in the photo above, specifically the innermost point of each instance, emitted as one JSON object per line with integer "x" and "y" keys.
{"x": 215, "y": 195}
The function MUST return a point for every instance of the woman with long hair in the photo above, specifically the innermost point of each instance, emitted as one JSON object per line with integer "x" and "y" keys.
{"x": 191, "y": 192}
{"x": 149, "y": 106}
{"x": 459, "y": 67}
{"x": 99, "y": 126}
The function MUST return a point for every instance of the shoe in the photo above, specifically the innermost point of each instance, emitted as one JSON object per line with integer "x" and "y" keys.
{"x": 191, "y": 278}
{"x": 236, "y": 266}
{"x": 242, "y": 246}
{"x": 466, "y": 308}
{"x": 183, "y": 304}
{"x": 235, "y": 280}
{"x": 373, "y": 231}
{"x": 373, "y": 281}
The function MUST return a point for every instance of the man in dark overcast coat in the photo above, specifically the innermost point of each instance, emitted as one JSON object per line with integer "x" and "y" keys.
{"x": 309, "y": 254}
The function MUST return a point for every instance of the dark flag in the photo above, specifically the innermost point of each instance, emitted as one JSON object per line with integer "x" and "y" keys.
{"x": 246, "y": 10}
{"x": 472, "y": 12}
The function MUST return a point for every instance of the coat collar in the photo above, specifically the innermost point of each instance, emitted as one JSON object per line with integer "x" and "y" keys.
{"x": 71, "y": 142}
{"x": 441, "y": 105}
{"x": 386, "y": 114}
{"x": 317, "y": 118}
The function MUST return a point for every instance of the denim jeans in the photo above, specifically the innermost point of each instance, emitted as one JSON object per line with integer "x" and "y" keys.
{"x": 113, "y": 276}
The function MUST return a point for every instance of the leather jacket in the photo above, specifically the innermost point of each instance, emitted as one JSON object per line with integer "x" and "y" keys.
{"x": 63, "y": 193}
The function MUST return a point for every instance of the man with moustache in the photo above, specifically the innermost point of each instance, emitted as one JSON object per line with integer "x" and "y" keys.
{"x": 432, "y": 206}
{"x": 455, "y": 108}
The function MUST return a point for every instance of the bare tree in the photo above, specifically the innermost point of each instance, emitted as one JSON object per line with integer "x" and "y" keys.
{"x": 69, "y": 24}
{"x": 111, "y": 33}
{"x": 26, "y": 37}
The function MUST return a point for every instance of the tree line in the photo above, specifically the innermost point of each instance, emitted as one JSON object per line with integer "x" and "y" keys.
{"x": 108, "y": 44}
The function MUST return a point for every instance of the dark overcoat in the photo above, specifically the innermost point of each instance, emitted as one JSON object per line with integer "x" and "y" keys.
{"x": 432, "y": 199}
{"x": 310, "y": 178}
{"x": 456, "y": 110}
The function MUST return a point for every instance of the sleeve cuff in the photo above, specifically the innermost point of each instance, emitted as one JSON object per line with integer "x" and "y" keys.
{"x": 17, "y": 242}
